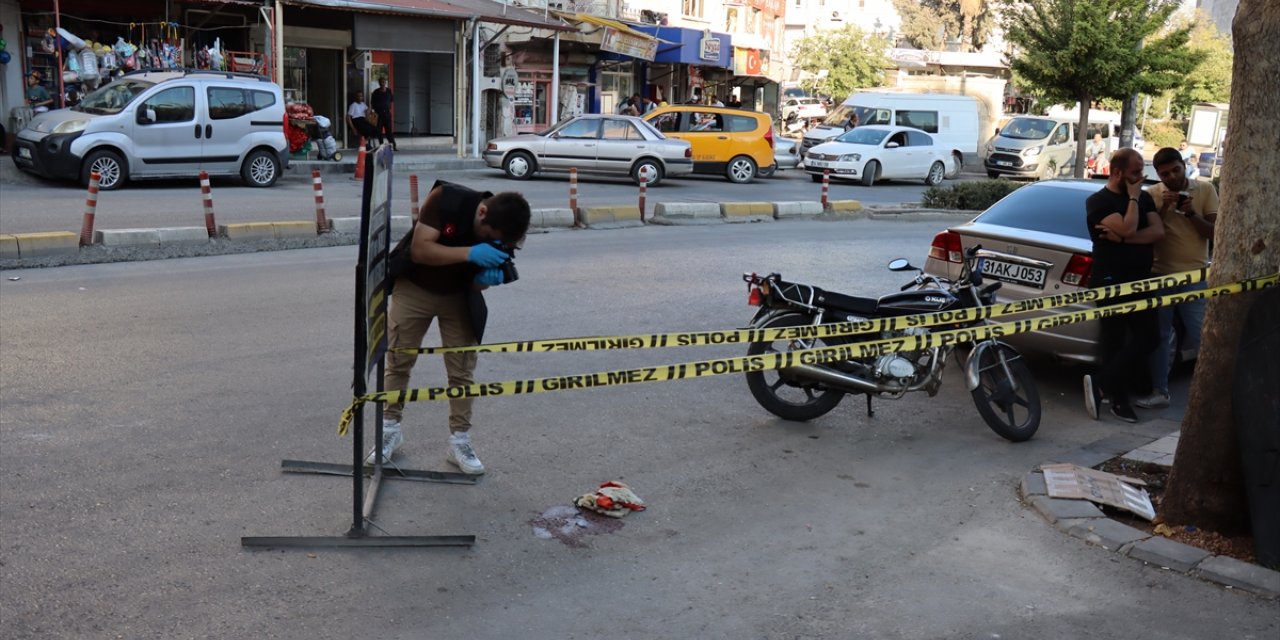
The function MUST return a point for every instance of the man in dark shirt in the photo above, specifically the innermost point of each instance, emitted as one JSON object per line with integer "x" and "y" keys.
{"x": 1124, "y": 212}
{"x": 381, "y": 100}
{"x": 453, "y": 258}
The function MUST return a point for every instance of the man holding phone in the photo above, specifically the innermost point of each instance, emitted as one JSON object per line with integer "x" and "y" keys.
{"x": 1188, "y": 208}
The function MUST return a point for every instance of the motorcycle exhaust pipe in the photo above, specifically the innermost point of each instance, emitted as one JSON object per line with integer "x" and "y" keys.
{"x": 831, "y": 378}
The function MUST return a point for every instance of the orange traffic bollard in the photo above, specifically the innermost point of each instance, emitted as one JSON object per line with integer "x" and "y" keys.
{"x": 90, "y": 208}
{"x": 413, "y": 196}
{"x": 207, "y": 192}
{"x": 826, "y": 185}
{"x": 360, "y": 161}
{"x": 322, "y": 222}
{"x": 644, "y": 188}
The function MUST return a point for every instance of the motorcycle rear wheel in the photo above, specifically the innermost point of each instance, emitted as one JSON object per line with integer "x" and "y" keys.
{"x": 777, "y": 393}
{"x": 1012, "y": 413}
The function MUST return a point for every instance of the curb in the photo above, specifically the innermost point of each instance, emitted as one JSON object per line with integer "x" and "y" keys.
{"x": 1082, "y": 519}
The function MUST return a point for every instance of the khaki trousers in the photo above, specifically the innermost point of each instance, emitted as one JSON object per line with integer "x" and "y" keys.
{"x": 412, "y": 309}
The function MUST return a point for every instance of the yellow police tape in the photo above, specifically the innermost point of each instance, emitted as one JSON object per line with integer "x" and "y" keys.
{"x": 783, "y": 360}
{"x": 832, "y": 330}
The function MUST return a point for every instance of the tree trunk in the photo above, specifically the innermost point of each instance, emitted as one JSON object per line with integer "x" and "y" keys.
{"x": 1205, "y": 486}
{"x": 1082, "y": 128}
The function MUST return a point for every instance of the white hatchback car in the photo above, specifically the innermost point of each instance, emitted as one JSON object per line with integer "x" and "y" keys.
{"x": 879, "y": 152}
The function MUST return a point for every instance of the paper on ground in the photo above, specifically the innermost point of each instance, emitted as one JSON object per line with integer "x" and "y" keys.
{"x": 1072, "y": 481}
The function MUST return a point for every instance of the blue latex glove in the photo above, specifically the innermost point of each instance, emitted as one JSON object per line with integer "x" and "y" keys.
{"x": 487, "y": 256}
{"x": 489, "y": 277}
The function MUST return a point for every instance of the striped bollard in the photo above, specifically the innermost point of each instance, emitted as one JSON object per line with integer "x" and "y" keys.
{"x": 90, "y": 207}
{"x": 360, "y": 161}
{"x": 322, "y": 223}
{"x": 413, "y": 196}
{"x": 826, "y": 186}
{"x": 207, "y": 193}
{"x": 644, "y": 188}
{"x": 573, "y": 193}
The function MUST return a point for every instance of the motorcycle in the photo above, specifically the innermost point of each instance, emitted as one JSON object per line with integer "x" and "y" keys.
{"x": 996, "y": 375}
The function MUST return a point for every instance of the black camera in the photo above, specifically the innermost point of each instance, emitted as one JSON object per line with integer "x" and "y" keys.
{"x": 509, "y": 273}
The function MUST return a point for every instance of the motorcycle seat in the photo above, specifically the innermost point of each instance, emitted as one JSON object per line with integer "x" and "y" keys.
{"x": 851, "y": 304}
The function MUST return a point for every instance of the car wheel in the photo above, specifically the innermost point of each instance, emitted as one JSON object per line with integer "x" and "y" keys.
{"x": 815, "y": 177}
{"x": 993, "y": 175}
{"x": 519, "y": 166}
{"x": 260, "y": 169}
{"x": 870, "y": 173}
{"x": 741, "y": 170}
{"x": 110, "y": 167}
{"x": 936, "y": 173}
{"x": 649, "y": 169}
{"x": 959, "y": 160}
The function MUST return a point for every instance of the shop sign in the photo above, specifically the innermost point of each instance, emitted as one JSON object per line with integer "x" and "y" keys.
{"x": 508, "y": 81}
{"x": 628, "y": 44}
{"x": 750, "y": 62}
{"x": 709, "y": 48}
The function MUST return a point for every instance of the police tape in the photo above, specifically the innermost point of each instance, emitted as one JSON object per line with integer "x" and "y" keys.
{"x": 785, "y": 359}
{"x": 831, "y": 330}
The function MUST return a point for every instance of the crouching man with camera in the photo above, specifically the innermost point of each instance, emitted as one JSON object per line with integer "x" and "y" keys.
{"x": 463, "y": 243}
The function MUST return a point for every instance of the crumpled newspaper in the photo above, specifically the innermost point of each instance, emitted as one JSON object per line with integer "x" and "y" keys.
{"x": 612, "y": 499}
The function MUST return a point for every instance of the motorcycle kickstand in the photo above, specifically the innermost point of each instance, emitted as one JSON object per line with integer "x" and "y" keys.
{"x": 870, "y": 412}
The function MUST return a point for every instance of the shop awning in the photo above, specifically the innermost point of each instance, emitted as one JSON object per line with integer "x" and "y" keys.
{"x": 616, "y": 37}
{"x": 483, "y": 10}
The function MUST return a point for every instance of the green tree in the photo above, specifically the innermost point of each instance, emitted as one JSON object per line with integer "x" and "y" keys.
{"x": 841, "y": 61}
{"x": 1211, "y": 81}
{"x": 930, "y": 24}
{"x": 1080, "y": 50}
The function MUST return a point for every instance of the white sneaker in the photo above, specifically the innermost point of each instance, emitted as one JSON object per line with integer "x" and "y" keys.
{"x": 462, "y": 455}
{"x": 1156, "y": 400}
{"x": 392, "y": 438}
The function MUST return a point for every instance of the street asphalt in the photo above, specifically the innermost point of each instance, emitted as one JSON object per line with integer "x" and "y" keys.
{"x": 146, "y": 406}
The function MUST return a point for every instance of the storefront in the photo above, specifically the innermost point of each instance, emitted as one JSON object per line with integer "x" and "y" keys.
{"x": 690, "y": 62}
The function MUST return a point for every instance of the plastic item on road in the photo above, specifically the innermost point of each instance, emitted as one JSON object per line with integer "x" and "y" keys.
{"x": 612, "y": 499}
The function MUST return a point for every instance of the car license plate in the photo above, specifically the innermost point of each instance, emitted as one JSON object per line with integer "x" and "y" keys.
{"x": 1005, "y": 163}
{"x": 1010, "y": 272}
{"x": 815, "y": 163}
{"x": 24, "y": 153}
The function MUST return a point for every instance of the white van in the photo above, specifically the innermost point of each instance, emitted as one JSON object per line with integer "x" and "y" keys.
{"x": 1102, "y": 122}
{"x": 162, "y": 124}
{"x": 1043, "y": 147}
{"x": 952, "y": 120}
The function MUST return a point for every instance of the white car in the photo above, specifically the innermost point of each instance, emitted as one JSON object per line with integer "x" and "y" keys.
{"x": 876, "y": 152}
{"x": 804, "y": 108}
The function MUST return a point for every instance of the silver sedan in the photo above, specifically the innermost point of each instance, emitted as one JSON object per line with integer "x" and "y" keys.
{"x": 618, "y": 145}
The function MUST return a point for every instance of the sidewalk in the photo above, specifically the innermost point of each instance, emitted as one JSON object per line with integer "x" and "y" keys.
{"x": 1083, "y": 519}
{"x": 420, "y": 153}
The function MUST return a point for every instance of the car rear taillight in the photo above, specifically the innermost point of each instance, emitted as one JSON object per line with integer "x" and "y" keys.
{"x": 1077, "y": 271}
{"x": 946, "y": 247}
{"x": 688, "y": 152}
{"x": 768, "y": 135}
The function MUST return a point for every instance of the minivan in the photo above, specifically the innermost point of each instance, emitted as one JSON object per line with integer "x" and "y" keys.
{"x": 735, "y": 143}
{"x": 162, "y": 124}
{"x": 952, "y": 120}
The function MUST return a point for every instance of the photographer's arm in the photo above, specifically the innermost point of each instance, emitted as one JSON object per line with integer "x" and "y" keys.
{"x": 426, "y": 248}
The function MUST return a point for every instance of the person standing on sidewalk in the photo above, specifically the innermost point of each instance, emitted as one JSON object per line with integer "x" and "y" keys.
{"x": 453, "y": 257}
{"x": 1124, "y": 211}
{"x": 380, "y": 101}
{"x": 1188, "y": 209}
{"x": 356, "y": 118}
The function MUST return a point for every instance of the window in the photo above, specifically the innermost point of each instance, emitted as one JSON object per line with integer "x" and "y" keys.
{"x": 875, "y": 116}
{"x": 706, "y": 122}
{"x": 173, "y": 105}
{"x": 1047, "y": 209}
{"x": 1059, "y": 136}
{"x": 225, "y": 103}
{"x": 262, "y": 99}
{"x": 917, "y": 139}
{"x": 620, "y": 130}
{"x": 900, "y": 138}
{"x": 739, "y": 124}
{"x": 691, "y": 8}
{"x": 923, "y": 120}
{"x": 667, "y": 122}
{"x": 584, "y": 128}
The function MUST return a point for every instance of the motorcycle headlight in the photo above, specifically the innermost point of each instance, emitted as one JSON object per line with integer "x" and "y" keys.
{"x": 1033, "y": 151}
{"x": 850, "y": 157}
{"x": 70, "y": 126}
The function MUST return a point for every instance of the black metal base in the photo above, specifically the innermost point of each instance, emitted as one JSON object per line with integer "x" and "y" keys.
{"x": 357, "y": 541}
{"x": 394, "y": 473}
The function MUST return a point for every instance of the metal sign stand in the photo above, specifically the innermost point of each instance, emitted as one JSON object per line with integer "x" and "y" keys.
{"x": 370, "y": 348}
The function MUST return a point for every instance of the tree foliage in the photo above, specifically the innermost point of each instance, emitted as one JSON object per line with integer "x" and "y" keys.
{"x": 850, "y": 58}
{"x": 1211, "y": 81}
{"x": 930, "y": 24}
{"x": 1079, "y": 50}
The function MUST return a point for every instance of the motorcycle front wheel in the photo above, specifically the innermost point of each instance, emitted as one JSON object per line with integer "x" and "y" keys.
{"x": 781, "y": 395}
{"x": 1010, "y": 406}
